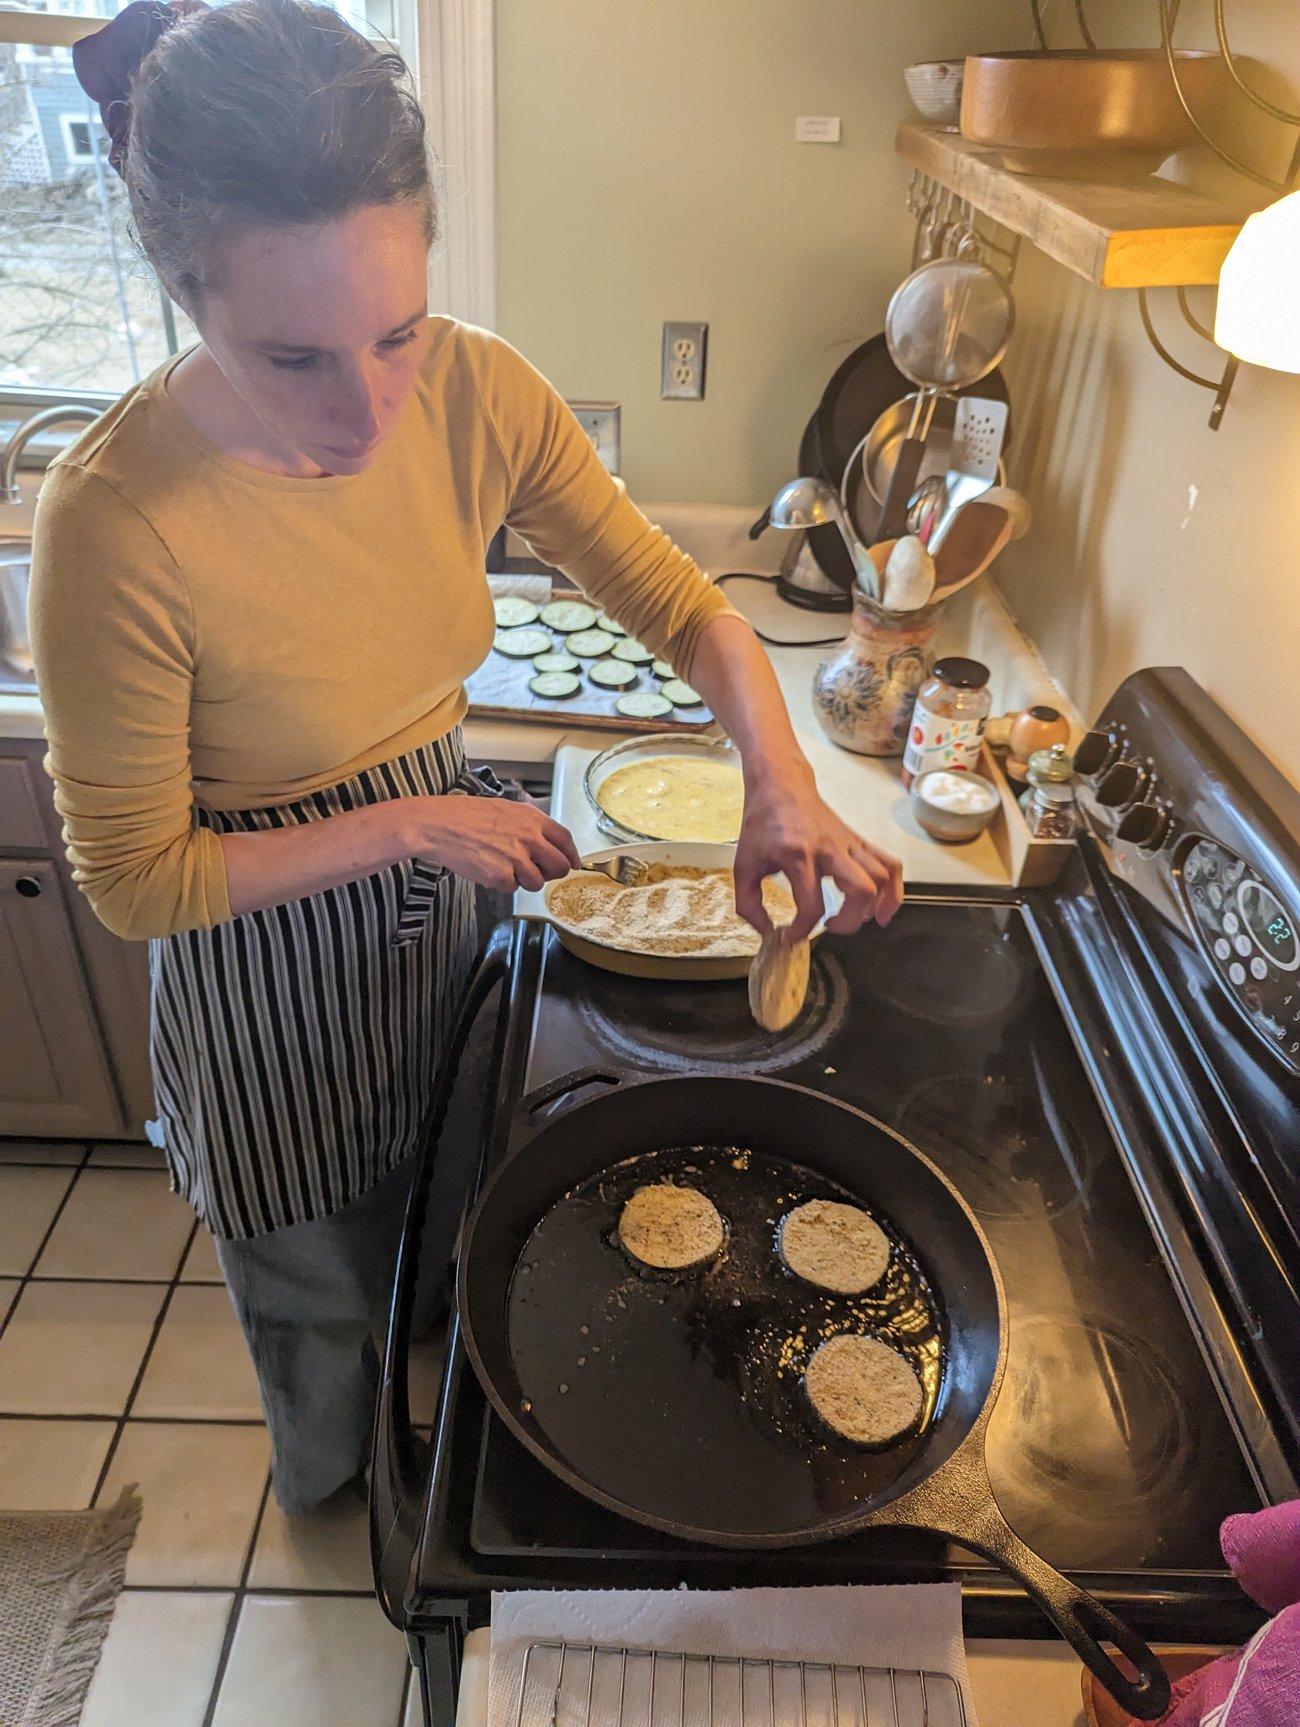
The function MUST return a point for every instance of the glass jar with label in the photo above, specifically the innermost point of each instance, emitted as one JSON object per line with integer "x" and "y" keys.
{"x": 948, "y": 720}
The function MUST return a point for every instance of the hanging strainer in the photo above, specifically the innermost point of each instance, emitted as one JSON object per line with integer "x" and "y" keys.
{"x": 947, "y": 327}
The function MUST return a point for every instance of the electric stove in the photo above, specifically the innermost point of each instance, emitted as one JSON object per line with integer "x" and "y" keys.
{"x": 1117, "y": 1107}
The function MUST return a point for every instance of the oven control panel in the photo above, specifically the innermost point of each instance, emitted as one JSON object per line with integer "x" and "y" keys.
{"x": 1251, "y": 939}
{"x": 1191, "y": 816}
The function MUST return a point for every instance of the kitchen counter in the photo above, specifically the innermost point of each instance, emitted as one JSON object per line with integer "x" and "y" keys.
{"x": 865, "y": 791}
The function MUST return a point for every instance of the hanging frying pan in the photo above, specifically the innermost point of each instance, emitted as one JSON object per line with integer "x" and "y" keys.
{"x": 661, "y": 1410}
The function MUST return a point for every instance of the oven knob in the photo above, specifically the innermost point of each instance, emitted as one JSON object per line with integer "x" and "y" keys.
{"x": 1121, "y": 785}
{"x": 1096, "y": 752}
{"x": 1144, "y": 825}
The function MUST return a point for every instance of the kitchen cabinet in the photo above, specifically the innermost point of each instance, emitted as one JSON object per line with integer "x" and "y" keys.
{"x": 74, "y": 1015}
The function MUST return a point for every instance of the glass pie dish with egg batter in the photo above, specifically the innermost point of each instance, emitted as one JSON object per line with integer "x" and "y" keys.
{"x": 667, "y": 787}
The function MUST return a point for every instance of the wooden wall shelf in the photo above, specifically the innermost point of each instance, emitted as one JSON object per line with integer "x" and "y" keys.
{"x": 1151, "y": 234}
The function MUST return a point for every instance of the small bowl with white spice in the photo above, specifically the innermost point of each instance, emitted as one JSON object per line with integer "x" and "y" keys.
{"x": 953, "y": 807}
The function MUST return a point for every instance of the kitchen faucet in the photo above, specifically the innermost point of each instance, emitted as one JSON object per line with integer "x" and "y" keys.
{"x": 39, "y": 422}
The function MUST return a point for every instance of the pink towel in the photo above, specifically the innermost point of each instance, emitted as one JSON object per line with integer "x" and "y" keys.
{"x": 1257, "y": 1685}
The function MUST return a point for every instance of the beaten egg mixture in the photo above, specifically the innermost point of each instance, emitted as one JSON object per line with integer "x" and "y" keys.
{"x": 676, "y": 798}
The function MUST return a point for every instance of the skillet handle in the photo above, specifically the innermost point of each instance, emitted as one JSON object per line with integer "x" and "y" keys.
{"x": 578, "y": 1079}
{"x": 1080, "y": 1618}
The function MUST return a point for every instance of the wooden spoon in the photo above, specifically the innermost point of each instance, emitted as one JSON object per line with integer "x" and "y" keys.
{"x": 979, "y": 533}
{"x": 778, "y": 980}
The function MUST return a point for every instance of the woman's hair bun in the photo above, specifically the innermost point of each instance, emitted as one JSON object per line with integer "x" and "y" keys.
{"x": 106, "y": 62}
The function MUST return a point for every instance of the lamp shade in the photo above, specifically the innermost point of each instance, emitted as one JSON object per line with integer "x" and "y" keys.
{"x": 1258, "y": 318}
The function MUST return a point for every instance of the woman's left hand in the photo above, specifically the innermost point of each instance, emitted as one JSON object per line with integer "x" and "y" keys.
{"x": 787, "y": 829}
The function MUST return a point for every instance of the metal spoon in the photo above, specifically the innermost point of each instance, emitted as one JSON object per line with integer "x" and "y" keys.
{"x": 925, "y": 506}
{"x": 809, "y": 503}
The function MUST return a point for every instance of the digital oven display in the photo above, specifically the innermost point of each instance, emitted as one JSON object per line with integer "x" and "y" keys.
{"x": 1270, "y": 926}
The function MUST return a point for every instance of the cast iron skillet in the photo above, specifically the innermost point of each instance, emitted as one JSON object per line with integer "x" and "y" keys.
{"x": 942, "y": 1484}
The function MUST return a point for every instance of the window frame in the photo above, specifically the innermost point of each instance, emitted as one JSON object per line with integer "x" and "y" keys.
{"x": 452, "y": 47}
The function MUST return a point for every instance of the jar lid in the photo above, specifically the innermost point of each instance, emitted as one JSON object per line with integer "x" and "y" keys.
{"x": 1054, "y": 766}
{"x": 961, "y": 674}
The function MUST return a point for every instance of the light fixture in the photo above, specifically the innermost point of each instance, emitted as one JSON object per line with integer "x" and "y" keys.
{"x": 1256, "y": 317}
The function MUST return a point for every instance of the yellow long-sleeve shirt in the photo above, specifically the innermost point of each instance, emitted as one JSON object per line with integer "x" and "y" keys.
{"x": 208, "y": 633}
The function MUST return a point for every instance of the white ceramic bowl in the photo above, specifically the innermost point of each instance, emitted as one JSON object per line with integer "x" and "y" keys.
{"x": 953, "y": 827}
{"x": 935, "y": 89}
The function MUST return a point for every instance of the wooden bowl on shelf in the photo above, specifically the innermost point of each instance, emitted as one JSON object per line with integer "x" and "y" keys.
{"x": 1085, "y": 114}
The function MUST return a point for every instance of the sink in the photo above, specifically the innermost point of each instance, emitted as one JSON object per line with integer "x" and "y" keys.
{"x": 16, "y": 670}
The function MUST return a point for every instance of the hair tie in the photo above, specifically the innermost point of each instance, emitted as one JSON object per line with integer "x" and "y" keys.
{"x": 106, "y": 62}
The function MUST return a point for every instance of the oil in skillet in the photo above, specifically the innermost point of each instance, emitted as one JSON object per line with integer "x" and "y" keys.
{"x": 741, "y": 1325}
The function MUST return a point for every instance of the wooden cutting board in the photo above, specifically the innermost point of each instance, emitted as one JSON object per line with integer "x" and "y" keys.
{"x": 499, "y": 690}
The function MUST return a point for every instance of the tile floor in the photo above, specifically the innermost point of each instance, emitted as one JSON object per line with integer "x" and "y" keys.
{"x": 120, "y": 1360}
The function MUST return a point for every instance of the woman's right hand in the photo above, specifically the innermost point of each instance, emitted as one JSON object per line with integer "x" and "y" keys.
{"x": 495, "y": 842}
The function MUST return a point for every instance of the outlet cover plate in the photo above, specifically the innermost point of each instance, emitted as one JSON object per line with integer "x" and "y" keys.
{"x": 681, "y": 368}
{"x": 603, "y": 424}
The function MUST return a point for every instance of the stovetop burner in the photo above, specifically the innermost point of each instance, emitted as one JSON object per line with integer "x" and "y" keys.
{"x": 1076, "y": 1377}
{"x": 708, "y": 1028}
{"x": 964, "y": 974}
{"x": 988, "y": 1135}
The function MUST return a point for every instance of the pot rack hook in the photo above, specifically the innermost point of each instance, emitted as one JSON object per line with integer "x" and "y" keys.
{"x": 1222, "y": 387}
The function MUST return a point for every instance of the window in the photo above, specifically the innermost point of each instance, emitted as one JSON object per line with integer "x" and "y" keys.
{"x": 81, "y": 314}
{"x": 79, "y": 141}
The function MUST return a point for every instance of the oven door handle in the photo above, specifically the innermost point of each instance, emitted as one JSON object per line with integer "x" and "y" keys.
{"x": 397, "y": 1471}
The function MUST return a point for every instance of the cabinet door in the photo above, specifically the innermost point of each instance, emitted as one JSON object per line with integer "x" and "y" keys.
{"x": 53, "y": 1079}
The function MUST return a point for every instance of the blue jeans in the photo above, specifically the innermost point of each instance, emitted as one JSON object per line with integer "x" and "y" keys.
{"x": 311, "y": 1298}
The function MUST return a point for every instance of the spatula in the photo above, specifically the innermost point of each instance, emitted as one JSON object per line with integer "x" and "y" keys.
{"x": 979, "y": 428}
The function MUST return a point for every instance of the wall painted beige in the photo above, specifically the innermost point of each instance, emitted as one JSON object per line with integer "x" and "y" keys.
{"x": 1157, "y": 541}
{"x": 648, "y": 170}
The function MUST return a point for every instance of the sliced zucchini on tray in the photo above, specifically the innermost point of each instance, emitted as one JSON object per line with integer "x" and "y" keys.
{"x": 643, "y": 705}
{"x": 612, "y": 674}
{"x": 566, "y": 616}
{"x": 590, "y": 644}
{"x": 512, "y": 612}
{"x": 555, "y": 686}
{"x": 522, "y": 644}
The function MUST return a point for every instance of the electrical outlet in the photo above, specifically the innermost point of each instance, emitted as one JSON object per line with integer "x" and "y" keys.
{"x": 602, "y": 422}
{"x": 681, "y": 368}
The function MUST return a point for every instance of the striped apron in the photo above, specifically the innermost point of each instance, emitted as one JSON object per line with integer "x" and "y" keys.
{"x": 294, "y": 1049}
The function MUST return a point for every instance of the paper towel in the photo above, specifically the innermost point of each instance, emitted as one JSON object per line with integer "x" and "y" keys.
{"x": 903, "y": 1626}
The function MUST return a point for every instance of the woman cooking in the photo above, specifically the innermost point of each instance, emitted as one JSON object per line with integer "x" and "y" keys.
{"x": 258, "y": 587}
